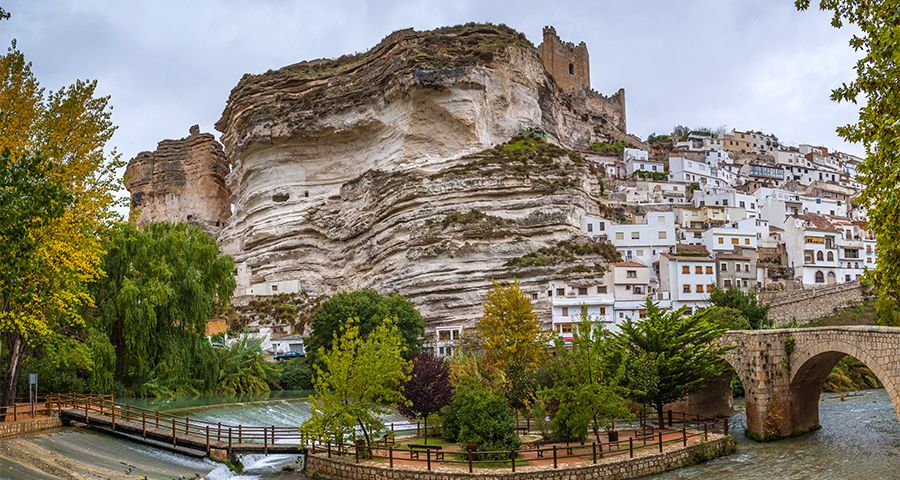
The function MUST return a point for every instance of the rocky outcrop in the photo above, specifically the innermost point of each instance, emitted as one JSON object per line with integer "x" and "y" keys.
{"x": 181, "y": 181}
{"x": 430, "y": 165}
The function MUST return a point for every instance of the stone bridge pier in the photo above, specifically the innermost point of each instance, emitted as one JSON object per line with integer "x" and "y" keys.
{"x": 784, "y": 371}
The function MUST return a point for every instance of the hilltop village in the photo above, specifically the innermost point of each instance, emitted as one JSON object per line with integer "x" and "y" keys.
{"x": 439, "y": 161}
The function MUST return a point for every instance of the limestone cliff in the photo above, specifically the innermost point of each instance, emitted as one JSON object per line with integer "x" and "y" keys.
{"x": 430, "y": 165}
{"x": 182, "y": 180}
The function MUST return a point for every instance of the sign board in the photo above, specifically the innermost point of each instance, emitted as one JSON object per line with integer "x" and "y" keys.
{"x": 32, "y": 379}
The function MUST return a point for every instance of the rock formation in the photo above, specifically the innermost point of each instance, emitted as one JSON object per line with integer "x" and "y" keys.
{"x": 182, "y": 180}
{"x": 419, "y": 167}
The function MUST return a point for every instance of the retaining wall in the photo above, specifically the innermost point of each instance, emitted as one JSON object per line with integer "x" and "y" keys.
{"x": 28, "y": 426}
{"x": 319, "y": 467}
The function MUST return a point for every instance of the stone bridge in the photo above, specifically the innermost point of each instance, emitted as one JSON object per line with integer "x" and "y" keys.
{"x": 783, "y": 372}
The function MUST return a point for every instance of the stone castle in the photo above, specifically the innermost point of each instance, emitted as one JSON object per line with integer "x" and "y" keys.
{"x": 379, "y": 170}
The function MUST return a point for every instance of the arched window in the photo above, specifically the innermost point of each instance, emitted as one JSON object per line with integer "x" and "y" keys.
{"x": 571, "y": 69}
{"x": 830, "y": 256}
{"x": 819, "y": 256}
{"x": 820, "y": 277}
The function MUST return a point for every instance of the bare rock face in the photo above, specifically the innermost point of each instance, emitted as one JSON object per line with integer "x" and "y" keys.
{"x": 394, "y": 170}
{"x": 181, "y": 181}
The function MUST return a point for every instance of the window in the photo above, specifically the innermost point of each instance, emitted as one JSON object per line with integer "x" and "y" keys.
{"x": 635, "y": 235}
{"x": 639, "y": 252}
{"x": 686, "y": 289}
{"x": 631, "y": 274}
{"x": 709, "y": 270}
{"x": 819, "y": 256}
{"x": 602, "y": 310}
{"x": 565, "y": 328}
{"x": 565, "y": 311}
{"x": 274, "y": 287}
{"x": 698, "y": 288}
{"x": 698, "y": 269}
{"x": 746, "y": 267}
{"x": 735, "y": 241}
{"x": 560, "y": 291}
{"x": 601, "y": 289}
{"x": 620, "y": 235}
{"x": 638, "y": 290}
{"x": 709, "y": 288}
{"x": 745, "y": 283}
{"x": 746, "y": 241}
{"x": 723, "y": 266}
{"x": 582, "y": 290}
{"x": 590, "y": 227}
{"x": 534, "y": 296}
{"x": 830, "y": 256}
{"x": 685, "y": 269}
{"x": 662, "y": 235}
{"x": 820, "y": 277}
{"x": 621, "y": 315}
{"x": 571, "y": 69}
{"x": 721, "y": 240}
{"x": 727, "y": 283}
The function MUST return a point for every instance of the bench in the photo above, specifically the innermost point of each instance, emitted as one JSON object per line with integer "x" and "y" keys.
{"x": 416, "y": 448}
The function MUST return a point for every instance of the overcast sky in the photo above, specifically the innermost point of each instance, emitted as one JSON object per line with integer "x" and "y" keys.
{"x": 746, "y": 64}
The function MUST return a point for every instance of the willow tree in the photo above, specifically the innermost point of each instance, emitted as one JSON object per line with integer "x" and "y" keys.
{"x": 877, "y": 90}
{"x": 68, "y": 129}
{"x": 162, "y": 284}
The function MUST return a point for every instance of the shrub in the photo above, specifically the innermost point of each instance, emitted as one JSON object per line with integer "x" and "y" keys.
{"x": 609, "y": 148}
{"x": 296, "y": 374}
{"x": 480, "y": 416}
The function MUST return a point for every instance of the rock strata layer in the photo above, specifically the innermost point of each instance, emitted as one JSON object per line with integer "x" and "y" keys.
{"x": 394, "y": 169}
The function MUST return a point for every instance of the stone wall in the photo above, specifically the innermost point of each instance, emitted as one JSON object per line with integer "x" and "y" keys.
{"x": 19, "y": 428}
{"x": 320, "y": 467}
{"x": 566, "y": 62}
{"x": 811, "y": 304}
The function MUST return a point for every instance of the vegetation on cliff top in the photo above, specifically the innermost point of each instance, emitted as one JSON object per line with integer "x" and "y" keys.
{"x": 526, "y": 155}
{"x": 566, "y": 252}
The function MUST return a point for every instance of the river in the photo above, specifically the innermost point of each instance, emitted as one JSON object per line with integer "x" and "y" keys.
{"x": 860, "y": 438}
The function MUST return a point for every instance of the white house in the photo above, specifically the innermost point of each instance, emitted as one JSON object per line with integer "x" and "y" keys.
{"x": 811, "y": 242}
{"x": 743, "y": 233}
{"x": 570, "y": 301}
{"x": 823, "y": 206}
{"x": 289, "y": 343}
{"x": 686, "y": 170}
{"x": 689, "y": 279}
{"x": 727, "y": 197}
{"x": 641, "y": 242}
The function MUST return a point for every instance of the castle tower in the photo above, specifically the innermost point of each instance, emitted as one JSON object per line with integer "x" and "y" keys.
{"x": 566, "y": 62}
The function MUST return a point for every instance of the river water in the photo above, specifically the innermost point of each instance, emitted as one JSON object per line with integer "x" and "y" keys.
{"x": 860, "y": 439}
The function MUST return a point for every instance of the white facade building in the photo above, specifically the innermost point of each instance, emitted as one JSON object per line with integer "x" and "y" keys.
{"x": 641, "y": 242}
{"x": 688, "y": 279}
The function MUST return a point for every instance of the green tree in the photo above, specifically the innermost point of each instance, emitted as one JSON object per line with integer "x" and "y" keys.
{"x": 296, "y": 374}
{"x": 480, "y": 416}
{"x": 668, "y": 355}
{"x": 585, "y": 393}
{"x": 244, "y": 368}
{"x": 358, "y": 381}
{"x": 726, "y": 317}
{"x": 511, "y": 340}
{"x": 371, "y": 309}
{"x": 163, "y": 284}
{"x": 876, "y": 89}
{"x": 756, "y": 312}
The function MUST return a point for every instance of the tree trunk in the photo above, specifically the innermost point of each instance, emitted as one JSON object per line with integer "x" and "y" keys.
{"x": 15, "y": 359}
{"x": 365, "y": 435}
{"x": 425, "y": 421}
{"x": 659, "y": 415}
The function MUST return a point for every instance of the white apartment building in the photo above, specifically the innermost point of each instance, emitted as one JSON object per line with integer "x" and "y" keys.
{"x": 811, "y": 242}
{"x": 688, "y": 279}
{"x": 740, "y": 234}
{"x": 823, "y": 206}
{"x": 633, "y": 165}
{"x": 685, "y": 170}
{"x": 775, "y": 205}
{"x": 656, "y": 193}
{"x": 726, "y": 197}
{"x": 571, "y": 301}
{"x": 806, "y": 175}
{"x": 641, "y": 242}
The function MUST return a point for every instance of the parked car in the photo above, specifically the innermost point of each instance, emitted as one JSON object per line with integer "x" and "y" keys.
{"x": 289, "y": 355}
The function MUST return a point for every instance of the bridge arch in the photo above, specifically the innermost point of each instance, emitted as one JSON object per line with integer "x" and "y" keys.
{"x": 810, "y": 368}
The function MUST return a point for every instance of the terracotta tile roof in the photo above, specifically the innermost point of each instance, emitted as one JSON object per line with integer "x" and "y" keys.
{"x": 628, "y": 263}
{"x": 818, "y": 222}
{"x": 684, "y": 248}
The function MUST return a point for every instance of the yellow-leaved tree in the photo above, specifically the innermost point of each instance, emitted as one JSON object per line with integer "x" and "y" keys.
{"x": 58, "y": 184}
{"x": 512, "y": 341}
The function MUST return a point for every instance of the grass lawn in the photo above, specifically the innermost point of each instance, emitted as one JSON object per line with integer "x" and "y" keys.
{"x": 860, "y": 315}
